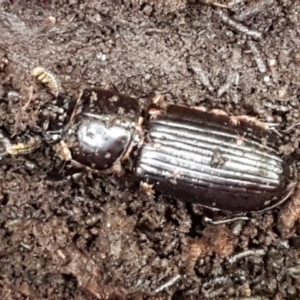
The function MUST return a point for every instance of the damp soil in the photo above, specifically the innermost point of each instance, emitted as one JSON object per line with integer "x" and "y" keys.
{"x": 100, "y": 238}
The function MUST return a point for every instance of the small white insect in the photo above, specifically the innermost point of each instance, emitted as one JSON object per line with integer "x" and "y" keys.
{"x": 23, "y": 148}
{"x": 47, "y": 77}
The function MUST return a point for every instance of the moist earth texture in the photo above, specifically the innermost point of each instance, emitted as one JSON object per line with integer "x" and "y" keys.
{"x": 101, "y": 237}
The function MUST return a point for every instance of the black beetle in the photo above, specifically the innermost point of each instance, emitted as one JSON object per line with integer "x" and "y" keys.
{"x": 204, "y": 157}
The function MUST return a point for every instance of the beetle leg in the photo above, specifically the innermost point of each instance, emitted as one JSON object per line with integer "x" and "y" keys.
{"x": 158, "y": 99}
{"x": 291, "y": 188}
{"x": 234, "y": 120}
{"x": 138, "y": 127}
{"x": 160, "y": 102}
{"x": 174, "y": 176}
{"x": 245, "y": 118}
{"x": 140, "y": 138}
{"x": 147, "y": 188}
{"x": 276, "y": 131}
{"x": 269, "y": 126}
{"x": 200, "y": 108}
{"x": 218, "y": 112}
{"x": 154, "y": 113}
{"x": 63, "y": 150}
{"x": 115, "y": 169}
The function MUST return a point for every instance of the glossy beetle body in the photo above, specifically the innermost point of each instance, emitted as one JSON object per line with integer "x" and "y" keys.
{"x": 208, "y": 158}
{"x": 201, "y": 157}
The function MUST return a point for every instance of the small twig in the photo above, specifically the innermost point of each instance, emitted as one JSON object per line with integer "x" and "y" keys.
{"x": 253, "y": 9}
{"x": 294, "y": 271}
{"x": 248, "y": 298}
{"x": 225, "y": 87}
{"x": 212, "y": 294}
{"x": 30, "y": 97}
{"x": 224, "y": 221}
{"x": 244, "y": 254}
{"x": 262, "y": 68}
{"x": 238, "y": 26}
{"x": 213, "y": 3}
{"x": 290, "y": 128}
{"x": 168, "y": 284}
{"x": 196, "y": 67}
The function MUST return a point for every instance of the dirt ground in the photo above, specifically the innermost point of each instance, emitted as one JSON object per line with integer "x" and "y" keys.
{"x": 99, "y": 238}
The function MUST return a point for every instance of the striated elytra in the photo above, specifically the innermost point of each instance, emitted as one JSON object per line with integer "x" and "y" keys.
{"x": 204, "y": 159}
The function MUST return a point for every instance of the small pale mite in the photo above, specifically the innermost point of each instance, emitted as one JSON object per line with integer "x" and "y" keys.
{"x": 24, "y": 148}
{"x": 48, "y": 78}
